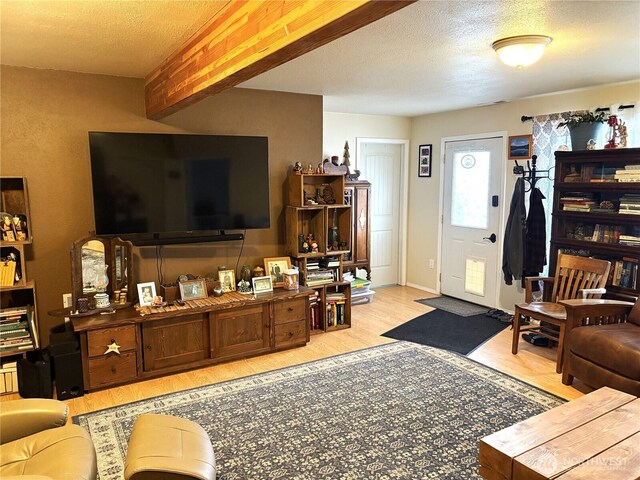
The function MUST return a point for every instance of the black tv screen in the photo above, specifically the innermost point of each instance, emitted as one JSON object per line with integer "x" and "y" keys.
{"x": 178, "y": 184}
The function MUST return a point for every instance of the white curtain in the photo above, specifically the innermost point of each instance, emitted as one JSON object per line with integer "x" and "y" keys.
{"x": 547, "y": 137}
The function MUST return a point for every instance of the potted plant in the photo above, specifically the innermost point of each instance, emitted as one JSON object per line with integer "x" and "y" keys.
{"x": 583, "y": 127}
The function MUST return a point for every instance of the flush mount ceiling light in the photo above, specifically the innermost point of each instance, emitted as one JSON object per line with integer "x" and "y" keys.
{"x": 522, "y": 50}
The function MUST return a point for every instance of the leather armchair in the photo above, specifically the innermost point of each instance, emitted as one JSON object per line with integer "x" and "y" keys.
{"x": 603, "y": 344}
{"x": 37, "y": 444}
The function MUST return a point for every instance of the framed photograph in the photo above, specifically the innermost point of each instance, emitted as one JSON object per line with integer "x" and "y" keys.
{"x": 424, "y": 160}
{"x": 262, "y": 284}
{"x": 227, "y": 279}
{"x": 146, "y": 293}
{"x": 520, "y": 147}
{"x": 193, "y": 289}
{"x": 275, "y": 266}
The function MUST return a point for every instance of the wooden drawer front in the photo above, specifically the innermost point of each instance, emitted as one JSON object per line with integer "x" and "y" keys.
{"x": 112, "y": 369}
{"x": 241, "y": 332}
{"x": 98, "y": 340}
{"x": 291, "y": 334}
{"x": 290, "y": 310}
{"x": 175, "y": 341}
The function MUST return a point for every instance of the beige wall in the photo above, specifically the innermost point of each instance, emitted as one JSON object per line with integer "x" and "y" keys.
{"x": 424, "y": 193}
{"x": 45, "y": 118}
{"x": 341, "y": 127}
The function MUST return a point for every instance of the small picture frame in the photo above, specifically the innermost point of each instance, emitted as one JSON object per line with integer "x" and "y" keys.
{"x": 424, "y": 160}
{"x": 275, "y": 266}
{"x": 262, "y": 284}
{"x": 146, "y": 293}
{"x": 520, "y": 147}
{"x": 227, "y": 279}
{"x": 193, "y": 289}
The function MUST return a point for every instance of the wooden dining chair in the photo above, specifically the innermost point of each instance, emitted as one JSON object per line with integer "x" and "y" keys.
{"x": 575, "y": 277}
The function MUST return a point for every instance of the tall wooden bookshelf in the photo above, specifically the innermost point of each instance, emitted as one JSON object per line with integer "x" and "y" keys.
{"x": 594, "y": 213}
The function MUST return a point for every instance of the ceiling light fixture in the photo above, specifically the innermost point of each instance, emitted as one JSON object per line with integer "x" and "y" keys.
{"x": 522, "y": 50}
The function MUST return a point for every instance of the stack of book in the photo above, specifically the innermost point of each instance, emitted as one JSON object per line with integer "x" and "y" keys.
{"x": 630, "y": 173}
{"x": 319, "y": 277}
{"x": 14, "y": 329}
{"x": 630, "y": 204}
{"x": 603, "y": 174}
{"x": 314, "y": 311}
{"x": 625, "y": 273}
{"x": 8, "y": 377}
{"x": 630, "y": 240}
{"x": 578, "y": 202}
{"x": 335, "y": 308}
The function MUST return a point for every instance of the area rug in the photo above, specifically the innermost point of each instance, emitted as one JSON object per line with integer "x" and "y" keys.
{"x": 398, "y": 411}
{"x": 446, "y": 330}
{"x": 453, "y": 305}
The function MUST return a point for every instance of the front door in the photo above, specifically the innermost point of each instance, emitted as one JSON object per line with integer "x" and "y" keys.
{"x": 381, "y": 164}
{"x": 471, "y": 219}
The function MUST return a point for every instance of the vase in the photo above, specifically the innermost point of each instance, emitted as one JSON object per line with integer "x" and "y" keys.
{"x": 102, "y": 279}
{"x": 582, "y": 133}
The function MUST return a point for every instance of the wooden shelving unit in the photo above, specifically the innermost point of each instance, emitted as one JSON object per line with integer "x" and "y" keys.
{"x": 596, "y": 232}
{"x": 18, "y": 305}
{"x": 357, "y": 195}
{"x": 309, "y": 212}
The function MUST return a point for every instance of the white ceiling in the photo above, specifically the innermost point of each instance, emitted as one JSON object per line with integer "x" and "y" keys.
{"x": 431, "y": 56}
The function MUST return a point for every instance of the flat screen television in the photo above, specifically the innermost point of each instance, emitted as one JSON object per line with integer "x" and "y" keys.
{"x": 175, "y": 188}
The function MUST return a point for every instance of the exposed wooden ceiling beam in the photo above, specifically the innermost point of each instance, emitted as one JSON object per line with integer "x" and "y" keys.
{"x": 249, "y": 37}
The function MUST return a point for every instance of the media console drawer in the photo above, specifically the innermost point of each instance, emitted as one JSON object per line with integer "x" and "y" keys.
{"x": 290, "y": 310}
{"x": 99, "y": 340}
{"x": 289, "y": 334}
{"x": 112, "y": 369}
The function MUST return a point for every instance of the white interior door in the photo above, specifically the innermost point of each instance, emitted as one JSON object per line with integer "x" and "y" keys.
{"x": 471, "y": 220}
{"x": 381, "y": 163}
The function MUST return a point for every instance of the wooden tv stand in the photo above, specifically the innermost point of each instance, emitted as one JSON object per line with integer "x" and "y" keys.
{"x": 155, "y": 342}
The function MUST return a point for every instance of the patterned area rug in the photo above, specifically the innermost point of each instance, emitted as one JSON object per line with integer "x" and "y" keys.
{"x": 398, "y": 411}
{"x": 453, "y": 305}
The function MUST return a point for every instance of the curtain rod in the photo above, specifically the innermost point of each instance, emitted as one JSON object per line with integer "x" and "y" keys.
{"x": 525, "y": 118}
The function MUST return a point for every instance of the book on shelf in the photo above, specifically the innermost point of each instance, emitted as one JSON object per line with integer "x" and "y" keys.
{"x": 18, "y": 330}
{"x": 625, "y": 273}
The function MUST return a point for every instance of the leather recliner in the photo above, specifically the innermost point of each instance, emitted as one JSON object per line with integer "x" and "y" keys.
{"x": 603, "y": 344}
{"x": 37, "y": 444}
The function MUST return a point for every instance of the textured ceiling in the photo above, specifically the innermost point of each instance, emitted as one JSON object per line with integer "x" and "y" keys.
{"x": 126, "y": 38}
{"x": 432, "y": 56}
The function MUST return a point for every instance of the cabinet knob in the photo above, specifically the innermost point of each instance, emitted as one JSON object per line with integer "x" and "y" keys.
{"x": 148, "y": 347}
{"x": 113, "y": 370}
{"x": 291, "y": 334}
{"x": 290, "y": 309}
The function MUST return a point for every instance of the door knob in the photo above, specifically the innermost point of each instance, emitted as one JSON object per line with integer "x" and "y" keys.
{"x": 491, "y": 238}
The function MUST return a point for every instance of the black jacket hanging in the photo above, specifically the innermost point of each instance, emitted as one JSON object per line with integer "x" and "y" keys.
{"x": 514, "y": 236}
{"x": 535, "y": 252}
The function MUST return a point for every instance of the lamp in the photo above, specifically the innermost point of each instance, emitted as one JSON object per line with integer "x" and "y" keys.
{"x": 522, "y": 50}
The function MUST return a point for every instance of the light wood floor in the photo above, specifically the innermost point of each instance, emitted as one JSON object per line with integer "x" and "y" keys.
{"x": 391, "y": 306}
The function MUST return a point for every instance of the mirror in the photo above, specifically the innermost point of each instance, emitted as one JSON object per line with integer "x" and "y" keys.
{"x": 101, "y": 265}
{"x": 93, "y": 262}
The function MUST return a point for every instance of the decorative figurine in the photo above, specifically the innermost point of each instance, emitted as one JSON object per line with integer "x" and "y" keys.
{"x": 319, "y": 170}
{"x": 313, "y": 245}
{"x": 614, "y": 125}
{"x": 258, "y": 271}
{"x": 309, "y": 170}
{"x": 6, "y": 226}
{"x": 346, "y": 156}
{"x": 591, "y": 144}
{"x": 244, "y": 287}
{"x": 622, "y": 130}
{"x": 297, "y": 168}
{"x": 328, "y": 196}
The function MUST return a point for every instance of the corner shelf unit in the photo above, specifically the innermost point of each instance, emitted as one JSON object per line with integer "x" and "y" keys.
{"x": 18, "y": 302}
{"x": 588, "y": 176}
{"x": 331, "y": 306}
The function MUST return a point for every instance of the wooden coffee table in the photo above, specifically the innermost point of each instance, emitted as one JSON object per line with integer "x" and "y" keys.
{"x": 594, "y": 437}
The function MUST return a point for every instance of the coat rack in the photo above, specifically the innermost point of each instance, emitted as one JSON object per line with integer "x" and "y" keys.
{"x": 531, "y": 174}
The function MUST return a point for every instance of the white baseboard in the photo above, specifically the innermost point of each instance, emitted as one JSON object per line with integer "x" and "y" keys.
{"x": 420, "y": 287}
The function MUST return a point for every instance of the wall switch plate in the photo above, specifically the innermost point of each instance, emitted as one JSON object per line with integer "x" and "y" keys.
{"x": 66, "y": 300}
{"x": 432, "y": 263}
